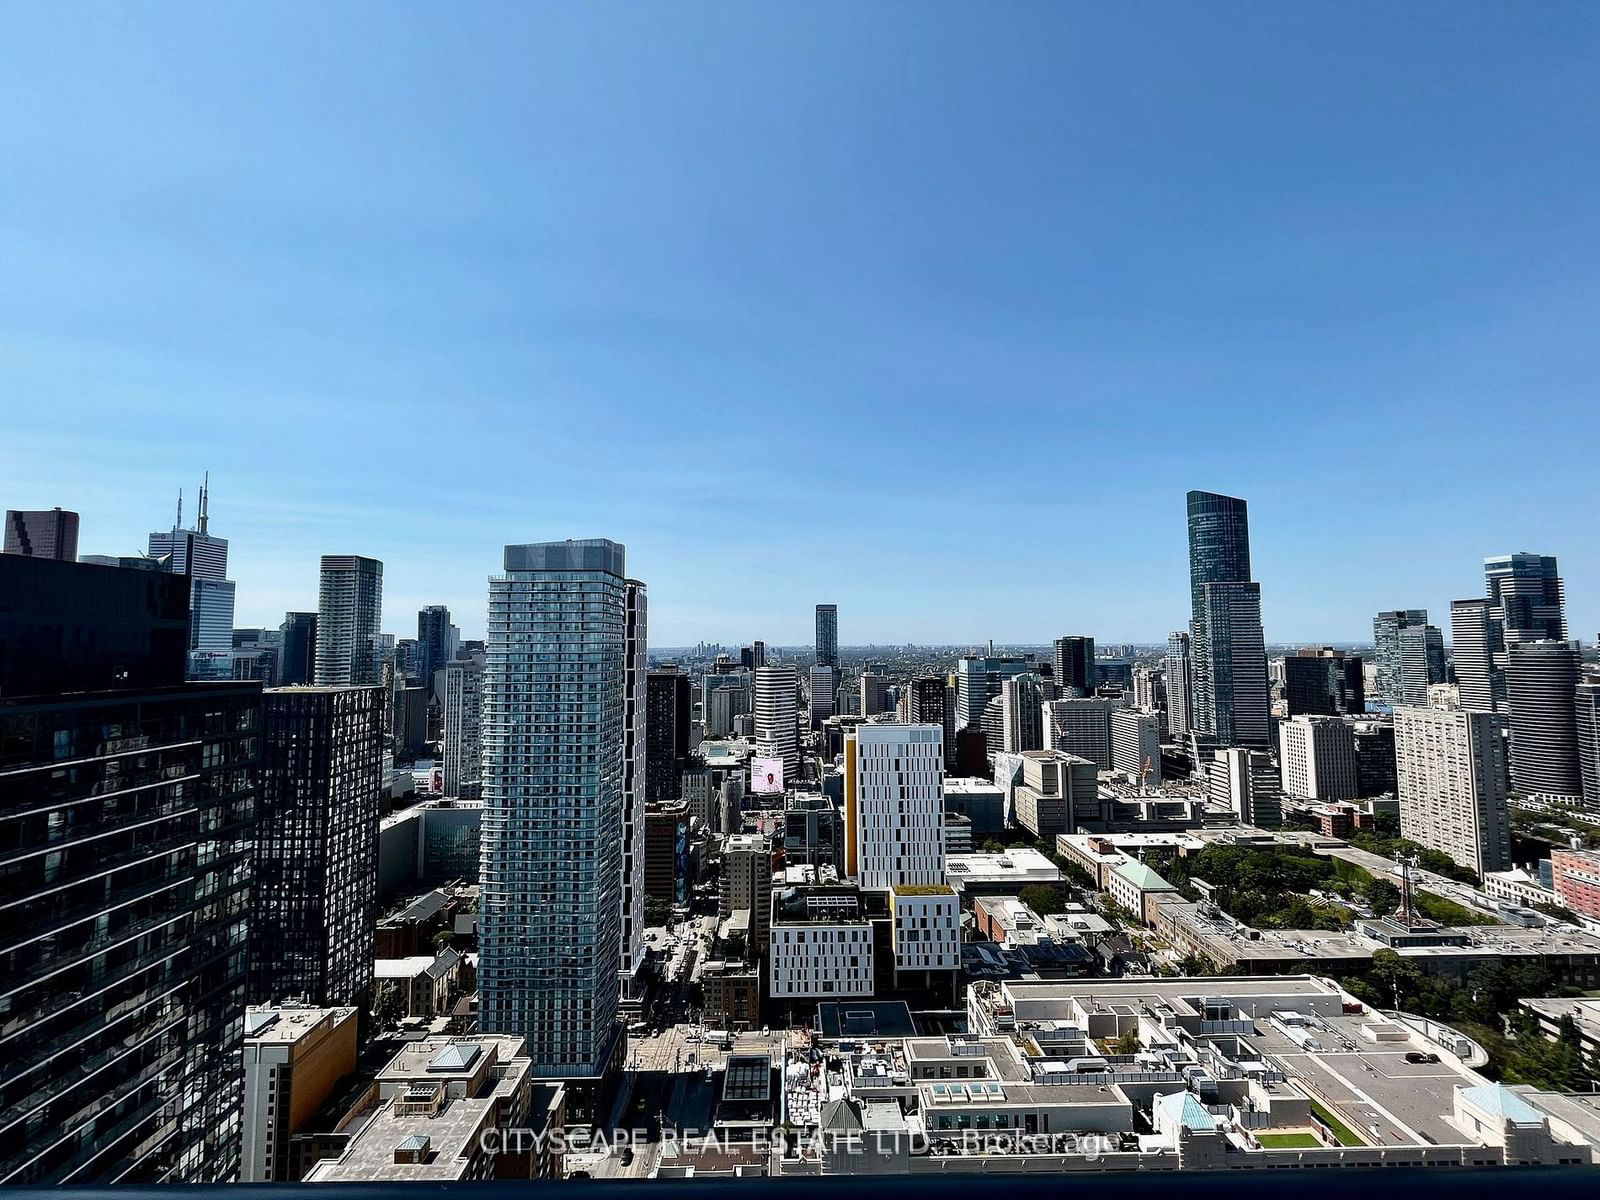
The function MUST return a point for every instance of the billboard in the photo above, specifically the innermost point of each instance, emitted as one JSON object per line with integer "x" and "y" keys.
{"x": 766, "y": 776}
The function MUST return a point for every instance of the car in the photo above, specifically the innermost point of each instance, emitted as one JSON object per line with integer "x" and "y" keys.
{"x": 1418, "y": 1056}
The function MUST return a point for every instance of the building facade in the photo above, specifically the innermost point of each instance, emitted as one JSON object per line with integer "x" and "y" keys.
{"x": 777, "y": 713}
{"x": 462, "y": 744}
{"x": 1387, "y": 658}
{"x": 554, "y": 706}
{"x": 1450, "y": 769}
{"x": 894, "y": 805}
{"x": 1074, "y": 665}
{"x": 1317, "y": 756}
{"x": 349, "y": 611}
{"x": 1541, "y": 694}
{"x": 47, "y": 533}
{"x": 827, "y": 644}
{"x": 1231, "y": 701}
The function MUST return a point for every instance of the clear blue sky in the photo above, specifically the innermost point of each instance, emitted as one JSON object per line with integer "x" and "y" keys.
{"x": 933, "y": 311}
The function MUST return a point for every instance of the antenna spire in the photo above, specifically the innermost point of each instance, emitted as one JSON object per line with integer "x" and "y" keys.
{"x": 205, "y": 503}
{"x": 179, "y": 523}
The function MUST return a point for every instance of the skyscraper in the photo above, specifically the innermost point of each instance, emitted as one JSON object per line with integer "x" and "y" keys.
{"x": 828, "y": 635}
{"x": 1524, "y": 601}
{"x": 1450, "y": 769}
{"x": 1326, "y": 682}
{"x": 874, "y": 693}
{"x": 316, "y": 845}
{"x": 978, "y": 680}
{"x": 1388, "y": 656}
{"x": 1318, "y": 757}
{"x": 128, "y": 797}
{"x": 822, "y": 687}
{"x": 1541, "y": 690}
{"x": 298, "y": 660}
{"x": 1588, "y": 725}
{"x": 1022, "y": 699}
{"x": 1180, "y": 684}
{"x": 50, "y": 533}
{"x": 668, "y": 703}
{"x": 1136, "y": 744}
{"x": 638, "y": 768}
{"x": 554, "y": 709}
{"x": 777, "y": 709}
{"x": 1080, "y": 727}
{"x": 894, "y": 805}
{"x": 462, "y": 744}
{"x": 434, "y": 647}
{"x": 1074, "y": 665}
{"x": 1422, "y": 663}
{"x": 349, "y": 612}
{"x": 1231, "y": 700}
{"x": 204, "y": 559}
{"x": 1472, "y": 642}
{"x": 928, "y": 702}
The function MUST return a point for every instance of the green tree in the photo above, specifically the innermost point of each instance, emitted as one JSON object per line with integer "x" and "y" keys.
{"x": 1381, "y": 895}
{"x": 388, "y": 1006}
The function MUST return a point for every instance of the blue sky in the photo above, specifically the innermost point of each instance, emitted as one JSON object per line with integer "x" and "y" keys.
{"x": 933, "y": 311}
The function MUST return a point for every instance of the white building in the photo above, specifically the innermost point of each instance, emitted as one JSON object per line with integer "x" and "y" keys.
{"x": 1451, "y": 772}
{"x": 777, "y": 712}
{"x": 349, "y": 612}
{"x": 1136, "y": 744}
{"x": 1246, "y": 782}
{"x": 820, "y": 946}
{"x": 927, "y": 927}
{"x": 894, "y": 805}
{"x": 463, "y": 740}
{"x": 1318, "y": 758}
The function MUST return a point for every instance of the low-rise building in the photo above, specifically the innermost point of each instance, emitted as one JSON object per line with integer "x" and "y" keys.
{"x": 294, "y": 1055}
{"x": 427, "y": 985}
{"x": 999, "y": 874}
{"x": 820, "y": 944}
{"x": 1575, "y": 876}
{"x": 1134, "y": 887}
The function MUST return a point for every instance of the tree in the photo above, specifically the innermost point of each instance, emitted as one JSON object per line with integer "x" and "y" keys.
{"x": 1043, "y": 898}
{"x": 1381, "y": 895}
{"x": 388, "y": 1007}
{"x": 1128, "y": 1043}
{"x": 442, "y": 939}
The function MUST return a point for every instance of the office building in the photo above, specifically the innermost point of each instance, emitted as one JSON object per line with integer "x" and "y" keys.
{"x": 1074, "y": 665}
{"x": 894, "y": 805}
{"x": 1180, "y": 684}
{"x": 978, "y": 681}
{"x": 777, "y": 713}
{"x": 349, "y": 611}
{"x": 203, "y": 557}
{"x": 47, "y": 533}
{"x": 297, "y": 656}
{"x": 1473, "y": 639}
{"x": 636, "y": 769}
{"x": 1375, "y": 766}
{"x": 435, "y": 642}
{"x": 1231, "y": 700}
{"x": 1387, "y": 657}
{"x": 1246, "y": 782}
{"x": 128, "y": 797}
{"x": 1575, "y": 878}
{"x": 1136, "y": 744}
{"x": 822, "y": 693}
{"x": 1588, "y": 728}
{"x": 1422, "y": 663}
{"x": 874, "y": 689}
{"x": 1149, "y": 689}
{"x": 930, "y": 701}
{"x": 1317, "y": 756}
{"x": 1022, "y": 699}
{"x": 294, "y": 1055}
{"x": 554, "y": 709}
{"x": 828, "y": 635}
{"x": 1451, "y": 774}
{"x": 1054, "y": 788}
{"x": 666, "y": 855}
{"x": 669, "y": 708}
{"x": 747, "y": 886}
{"x": 1080, "y": 727}
{"x": 1541, "y": 692}
{"x": 462, "y": 743}
{"x": 1324, "y": 682}
{"x": 723, "y": 698}
{"x": 754, "y": 655}
{"x": 316, "y": 848}
{"x": 1527, "y": 597}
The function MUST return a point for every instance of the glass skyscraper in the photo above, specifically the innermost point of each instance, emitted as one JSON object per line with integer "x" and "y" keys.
{"x": 1231, "y": 701}
{"x": 828, "y": 635}
{"x": 554, "y": 709}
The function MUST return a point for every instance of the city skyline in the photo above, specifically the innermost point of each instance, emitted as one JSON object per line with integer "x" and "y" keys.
{"x": 1342, "y": 307}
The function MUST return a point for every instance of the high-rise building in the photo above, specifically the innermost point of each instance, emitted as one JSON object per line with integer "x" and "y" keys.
{"x": 1423, "y": 663}
{"x": 316, "y": 845}
{"x": 203, "y": 557}
{"x": 47, "y": 533}
{"x": 668, "y": 708}
{"x": 1323, "y": 682}
{"x": 1136, "y": 744}
{"x": 777, "y": 713}
{"x": 1541, "y": 691}
{"x": 1074, "y": 665}
{"x": 1080, "y": 727}
{"x": 1245, "y": 781}
{"x": 554, "y": 709}
{"x": 1317, "y": 755}
{"x": 1588, "y": 724}
{"x": 1451, "y": 772}
{"x": 638, "y": 768}
{"x": 929, "y": 702}
{"x": 349, "y": 611}
{"x": 828, "y": 635}
{"x": 1180, "y": 684}
{"x": 1022, "y": 698}
{"x": 1472, "y": 648}
{"x": 434, "y": 642}
{"x": 978, "y": 681}
{"x": 822, "y": 689}
{"x": 462, "y": 744}
{"x": 747, "y": 884}
{"x": 1375, "y": 765}
{"x": 1387, "y": 657}
{"x": 724, "y": 697}
{"x": 754, "y": 655}
{"x": 298, "y": 648}
{"x": 128, "y": 798}
{"x": 1231, "y": 700}
{"x": 894, "y": 805}
{"x": 1149, "y": 688}
{"x": 874, "y": 690}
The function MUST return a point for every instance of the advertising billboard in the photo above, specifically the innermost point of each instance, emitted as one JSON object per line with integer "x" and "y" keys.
{"x": 766, "y": 776}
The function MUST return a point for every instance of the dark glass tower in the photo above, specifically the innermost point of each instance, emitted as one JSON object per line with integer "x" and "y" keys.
{"x": 299, "y": 663}
{"x": 828, "y": 636}
{"x": 127, "y": 800}
{"x": 433, "y": 642}
{"x": 316, "y": 857}
{"x": 1074, "y": 665}
{"x": 668, "y": 703}
{"x": 1231, "y": 700}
